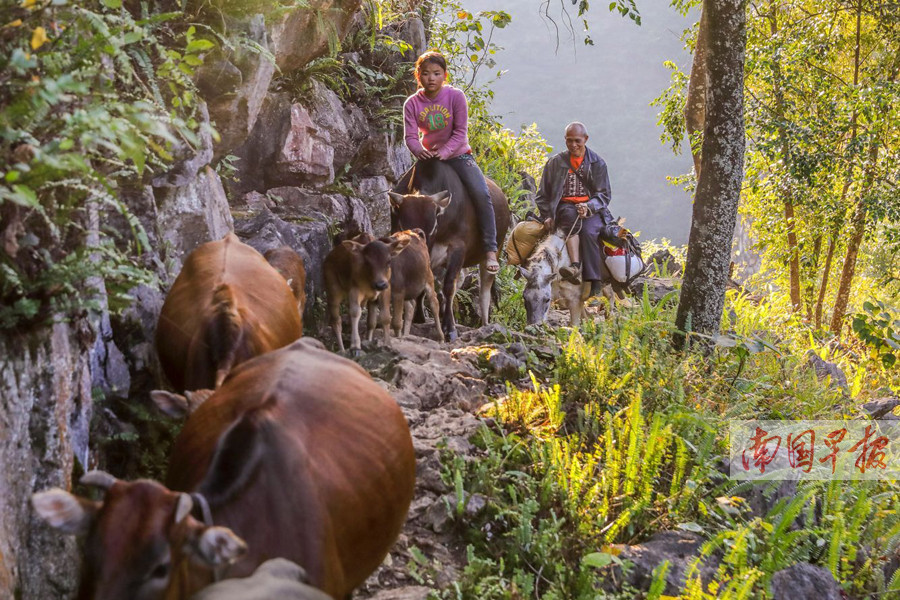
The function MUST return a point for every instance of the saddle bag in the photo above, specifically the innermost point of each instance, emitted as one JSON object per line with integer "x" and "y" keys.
{"x": 522, "y": 241}
{"x": 623, "y": 258}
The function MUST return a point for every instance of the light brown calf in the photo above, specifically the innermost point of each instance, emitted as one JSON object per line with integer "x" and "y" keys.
{"x": 287, "y": 262}
{"x": 411, "y": 276}
{"x": 359, "y": 270}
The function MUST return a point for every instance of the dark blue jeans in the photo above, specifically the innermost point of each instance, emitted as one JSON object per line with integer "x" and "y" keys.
{"x": 588, "y": 242}
{"x": 474, "y": 180}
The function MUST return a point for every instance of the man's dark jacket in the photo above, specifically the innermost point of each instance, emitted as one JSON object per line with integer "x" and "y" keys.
{"x": 554, "y": 179}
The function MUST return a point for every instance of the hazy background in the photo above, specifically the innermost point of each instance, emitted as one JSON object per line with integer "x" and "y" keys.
{"x": 607, "y": 86}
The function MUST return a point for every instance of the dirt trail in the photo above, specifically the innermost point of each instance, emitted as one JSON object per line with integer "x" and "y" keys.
{"x": 439, "y": 387}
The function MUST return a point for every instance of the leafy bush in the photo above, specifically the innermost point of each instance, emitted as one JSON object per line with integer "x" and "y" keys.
{"x": 878, "y": 327}
{"x": 92, "y": 98}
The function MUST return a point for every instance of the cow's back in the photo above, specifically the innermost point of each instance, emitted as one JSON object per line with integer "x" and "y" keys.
{"x": 326, "y": 459}
{"x": 458, "y": 223}
{"x": 262, "y": 298}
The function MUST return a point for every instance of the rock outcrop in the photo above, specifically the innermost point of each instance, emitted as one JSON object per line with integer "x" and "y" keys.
{"x": 46, "y": 403}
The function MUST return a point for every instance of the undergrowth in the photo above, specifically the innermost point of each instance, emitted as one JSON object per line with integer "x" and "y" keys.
{"x": 629, "y": 438}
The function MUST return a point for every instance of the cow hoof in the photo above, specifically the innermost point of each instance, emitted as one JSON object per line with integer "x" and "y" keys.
{"x": 451, "y": 336}
{"x": 356, "y": 352}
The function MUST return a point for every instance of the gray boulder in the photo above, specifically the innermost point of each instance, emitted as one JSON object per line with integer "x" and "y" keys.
{"x": 827, "y": 371}
{"x": 680, "y": 548}
{"x": 191, "y": 215}
{"x": 373, "y": 192}
{"x": 344, "y": 126}
{"x": 881, "y": 407}
{"x": 304, "y": 155}
{"x": 383, "y": 154}
{"x": 300, "y": 35}
{"x": 235, "y": 83}
{"x": 804, "y": 581}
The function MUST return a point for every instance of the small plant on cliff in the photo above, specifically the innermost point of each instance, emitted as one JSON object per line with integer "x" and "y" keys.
{"x": 91, "y": 97}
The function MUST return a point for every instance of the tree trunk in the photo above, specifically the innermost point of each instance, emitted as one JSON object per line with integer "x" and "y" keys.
{"x": 722, "y": 169}
{"x": 832, "y": 242}
{"x": 851, "y": 142}
{"x": 790, "y": 222}
{"x": 809, "y": 292}
{"x": 858, "y": 229}
{"x": 695, "y": 102}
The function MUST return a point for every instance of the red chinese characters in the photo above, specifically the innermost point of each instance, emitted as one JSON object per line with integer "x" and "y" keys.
{"x": 762, "y": 456}
{"x": 871, "y": 456}
{"x": 832, "y": 440}
{"x": 799, "y": 455}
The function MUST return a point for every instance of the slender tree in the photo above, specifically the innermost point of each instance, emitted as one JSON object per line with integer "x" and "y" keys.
{"x": 695, "y": 102}
{"x": 721, "y": 173}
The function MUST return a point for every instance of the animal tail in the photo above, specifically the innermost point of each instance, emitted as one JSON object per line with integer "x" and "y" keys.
{"x": 225, "y": 331}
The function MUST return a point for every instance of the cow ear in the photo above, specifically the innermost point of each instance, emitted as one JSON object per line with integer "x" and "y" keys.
{"x": 396, "y": 199}
{"x": 64, "y": 511}
{"x": 174, "y": 405}
{"x": 219, "y": 546}
{"x": 352, "y": 246}
{"x": 398, "y": 244}
{"x": 442, "y": 199}
{"x": 523, "y": 272}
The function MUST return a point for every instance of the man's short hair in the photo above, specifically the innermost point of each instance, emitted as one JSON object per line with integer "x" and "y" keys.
{"x": 577, "y": 124}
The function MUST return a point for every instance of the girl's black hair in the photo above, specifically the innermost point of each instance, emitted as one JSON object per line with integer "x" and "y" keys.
{"x": 434, "y": 57}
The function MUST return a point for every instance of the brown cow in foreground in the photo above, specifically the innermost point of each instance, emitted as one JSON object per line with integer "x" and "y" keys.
{"x": 226, "y": 306}
{"x": 300, "y": 453}
{"x": 411, "y": 276}
{"x": 287, "y": 262}
{"x": 359, "y": 270}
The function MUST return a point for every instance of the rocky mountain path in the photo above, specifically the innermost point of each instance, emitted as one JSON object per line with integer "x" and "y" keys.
{"x": 441, "y": 388}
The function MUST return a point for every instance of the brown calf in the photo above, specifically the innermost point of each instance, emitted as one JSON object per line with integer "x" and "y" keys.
{"x": 287, "y": 262}
{"x": 300, "y": 453}
{"x": 227, "y": 305}
{"x": 359, "y": 270}
{"x": 411, "y": 276}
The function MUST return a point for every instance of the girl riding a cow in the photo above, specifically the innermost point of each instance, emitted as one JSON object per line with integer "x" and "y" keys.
{"x": 440, "y": 113}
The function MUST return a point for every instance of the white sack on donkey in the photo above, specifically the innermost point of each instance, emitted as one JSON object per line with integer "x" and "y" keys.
{"x": 622, "y": 253}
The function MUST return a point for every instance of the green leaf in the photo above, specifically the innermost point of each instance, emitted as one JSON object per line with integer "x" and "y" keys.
{"x": 691, "y": 526}
{"x": 199, "y": 45}
{"x": 114, "y": 4}
{"x": 599, "y": 560}
{"x": 24, "y": 196}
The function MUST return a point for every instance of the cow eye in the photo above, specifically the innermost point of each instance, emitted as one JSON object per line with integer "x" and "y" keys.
{"x": 161, "y": 571}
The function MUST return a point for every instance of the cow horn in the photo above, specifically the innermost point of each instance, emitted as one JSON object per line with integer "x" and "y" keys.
{"x": 441, "y": 199}
{"x": 184, "y": 508}
{"x": 396, "y": 199}
{"x": 100, "y": 479}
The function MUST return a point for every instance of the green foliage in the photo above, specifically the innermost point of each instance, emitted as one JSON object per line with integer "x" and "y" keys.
{"x": 878, "y": 327}
{"x": 623, "y": 441}
{"x": 91, "y": 98}
{"x": 827, "y": 160}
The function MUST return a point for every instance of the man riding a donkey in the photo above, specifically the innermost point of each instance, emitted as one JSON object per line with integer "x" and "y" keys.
{"x": 573, "y": 199}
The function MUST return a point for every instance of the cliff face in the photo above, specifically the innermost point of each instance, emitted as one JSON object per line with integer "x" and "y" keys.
{"x": 74, "y": 396}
